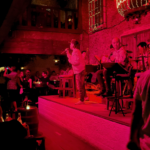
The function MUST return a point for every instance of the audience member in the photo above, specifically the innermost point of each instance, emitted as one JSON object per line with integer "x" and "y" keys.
{"x": 140, "y": 126}
{"x": 44, "y": 79}
{"x": 12, "y": 86}
{"x": 48, "y": 71}
{"x": 21, "y": 87}
{"x": 27, "y": 84}
{"x": 36, "y": 76}
{"x": 1, "y": 115}
{"x": 53, "y": 76}
{"x": 45, "y": 83}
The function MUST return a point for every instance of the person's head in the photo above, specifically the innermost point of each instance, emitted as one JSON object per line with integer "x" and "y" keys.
{"x": 116, "y": 43}
{"x": 37, "y": 73}
{"x": 83, "y": 54}
{"x": 21, "y": 74}
{"x": 28, "y": 72}
{"x": 53, "y": 73}
{"x": 74, "y": 44}
{"x": 13, "y": 68}
{"x": 44, "y": 74}
{"x": 48, "y": 70}
{"x": 142, "y": 47}
{"x": 61, "y": 72}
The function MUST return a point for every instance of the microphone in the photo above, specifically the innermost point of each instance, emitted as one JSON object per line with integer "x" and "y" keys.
{"x": 63, "y": 52}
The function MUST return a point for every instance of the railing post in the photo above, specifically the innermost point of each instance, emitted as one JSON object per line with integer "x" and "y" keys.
{"x": 66, "y": 20}
{"x": 28, "y": 16}
{"x": 20, "y": 20}
{"x": 59, "y": 23}
{"x": 80, "y": 14}
{"x": 52, "y": 18}
{"x": 73, "y": 26}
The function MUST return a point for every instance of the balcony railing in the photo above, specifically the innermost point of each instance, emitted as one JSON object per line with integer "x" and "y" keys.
{"x": 50, "y": 19}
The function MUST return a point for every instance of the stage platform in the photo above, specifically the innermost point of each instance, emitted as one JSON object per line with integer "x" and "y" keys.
{"x": 90, "y": 121}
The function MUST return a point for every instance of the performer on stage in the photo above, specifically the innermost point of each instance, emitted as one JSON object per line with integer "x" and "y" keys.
{"x": 143, "y": 64}
{"x": 117, "y": 56}
{"x": 78, "y": 65}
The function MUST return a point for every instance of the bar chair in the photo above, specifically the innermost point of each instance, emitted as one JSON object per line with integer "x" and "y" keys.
{"x": 71, "y": 85}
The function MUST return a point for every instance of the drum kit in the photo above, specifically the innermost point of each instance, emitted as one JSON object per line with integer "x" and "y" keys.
{"x": 137, "y": 60}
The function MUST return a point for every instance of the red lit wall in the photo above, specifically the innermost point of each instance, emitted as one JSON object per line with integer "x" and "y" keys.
{"x": 36, "y": 42}
{"x": 100, "y": 41}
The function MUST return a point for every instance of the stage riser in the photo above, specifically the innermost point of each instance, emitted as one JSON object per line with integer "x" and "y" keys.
{"x": 99, "y": 132}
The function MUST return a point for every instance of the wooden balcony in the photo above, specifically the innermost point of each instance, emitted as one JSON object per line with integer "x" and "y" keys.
{"x": 43, "y": 18}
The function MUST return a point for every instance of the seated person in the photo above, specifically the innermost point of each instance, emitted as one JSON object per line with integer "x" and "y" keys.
{"x": 117, "y": 56}
{"x": 61, "y": 72}
{"x": 36, "y": 76}
{"x": 53, "y": 76}
{"x": 68, "y": 72}
{"x": 142, "y": 47}
{"x": 144, "y": 63}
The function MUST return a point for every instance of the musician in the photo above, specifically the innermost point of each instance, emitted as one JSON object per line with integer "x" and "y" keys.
{"x": 78, "y": 66}
{"x": 143, "y": 65}
{"x": 117, "y": 56}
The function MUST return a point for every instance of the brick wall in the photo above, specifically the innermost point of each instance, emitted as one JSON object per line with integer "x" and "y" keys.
{"x": 36, "y": 42}
{"x": 100, "y": 41}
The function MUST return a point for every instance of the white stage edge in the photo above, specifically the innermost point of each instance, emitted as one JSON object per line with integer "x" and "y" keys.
{"x": 101, "y": 133}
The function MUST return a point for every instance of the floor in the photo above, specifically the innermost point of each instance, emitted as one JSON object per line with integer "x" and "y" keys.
{"x": 94, "y": 106}
{"x": 58, "y": 138}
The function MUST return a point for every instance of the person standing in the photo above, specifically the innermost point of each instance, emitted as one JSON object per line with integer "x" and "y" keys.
{"x": 12, "y": 86}
{"x": 140, "y": 127}
{"x": 78, "y": 66}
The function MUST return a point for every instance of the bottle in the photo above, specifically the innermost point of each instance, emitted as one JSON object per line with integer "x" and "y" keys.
{"x": 7, "y": 117}
{"x": 19, "y": 118}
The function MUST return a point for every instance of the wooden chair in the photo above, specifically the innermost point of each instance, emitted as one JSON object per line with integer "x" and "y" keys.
{"x": 71, "y": 85}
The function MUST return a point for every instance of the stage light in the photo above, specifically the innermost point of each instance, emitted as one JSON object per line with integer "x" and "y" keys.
{"x": 56, "y": 60}
{"x": 28, "y": 107}
{"x": 2, "y": 69}
{"x": 69, "y": 19}
{"x": 22, "y": 68}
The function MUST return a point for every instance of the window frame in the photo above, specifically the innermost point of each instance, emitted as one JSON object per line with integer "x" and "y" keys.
{"x": 93, "y": 27}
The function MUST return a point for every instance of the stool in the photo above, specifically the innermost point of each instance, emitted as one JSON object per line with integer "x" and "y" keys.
{"x": 71, "y": 85}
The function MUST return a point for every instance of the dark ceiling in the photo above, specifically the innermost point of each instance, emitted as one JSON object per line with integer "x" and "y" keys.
{"x": 9, "y": 11}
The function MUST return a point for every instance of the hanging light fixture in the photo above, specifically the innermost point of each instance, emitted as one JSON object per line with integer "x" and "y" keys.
{"x": 133, "y": 9}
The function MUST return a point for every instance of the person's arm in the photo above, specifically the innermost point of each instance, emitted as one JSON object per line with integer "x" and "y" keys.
{"x": 30, "y": 83}
{"x": 5, "y": 73}
{"x": 136, "y": 123}
{"x": 74, "y": 59}
{"x": 122, "y": 56}
{"x": 111, "y": 57}
{"x": 19, "y": 83}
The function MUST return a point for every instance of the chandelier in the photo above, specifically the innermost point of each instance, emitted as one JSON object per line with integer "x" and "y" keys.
{"x": 133, "y": 8}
